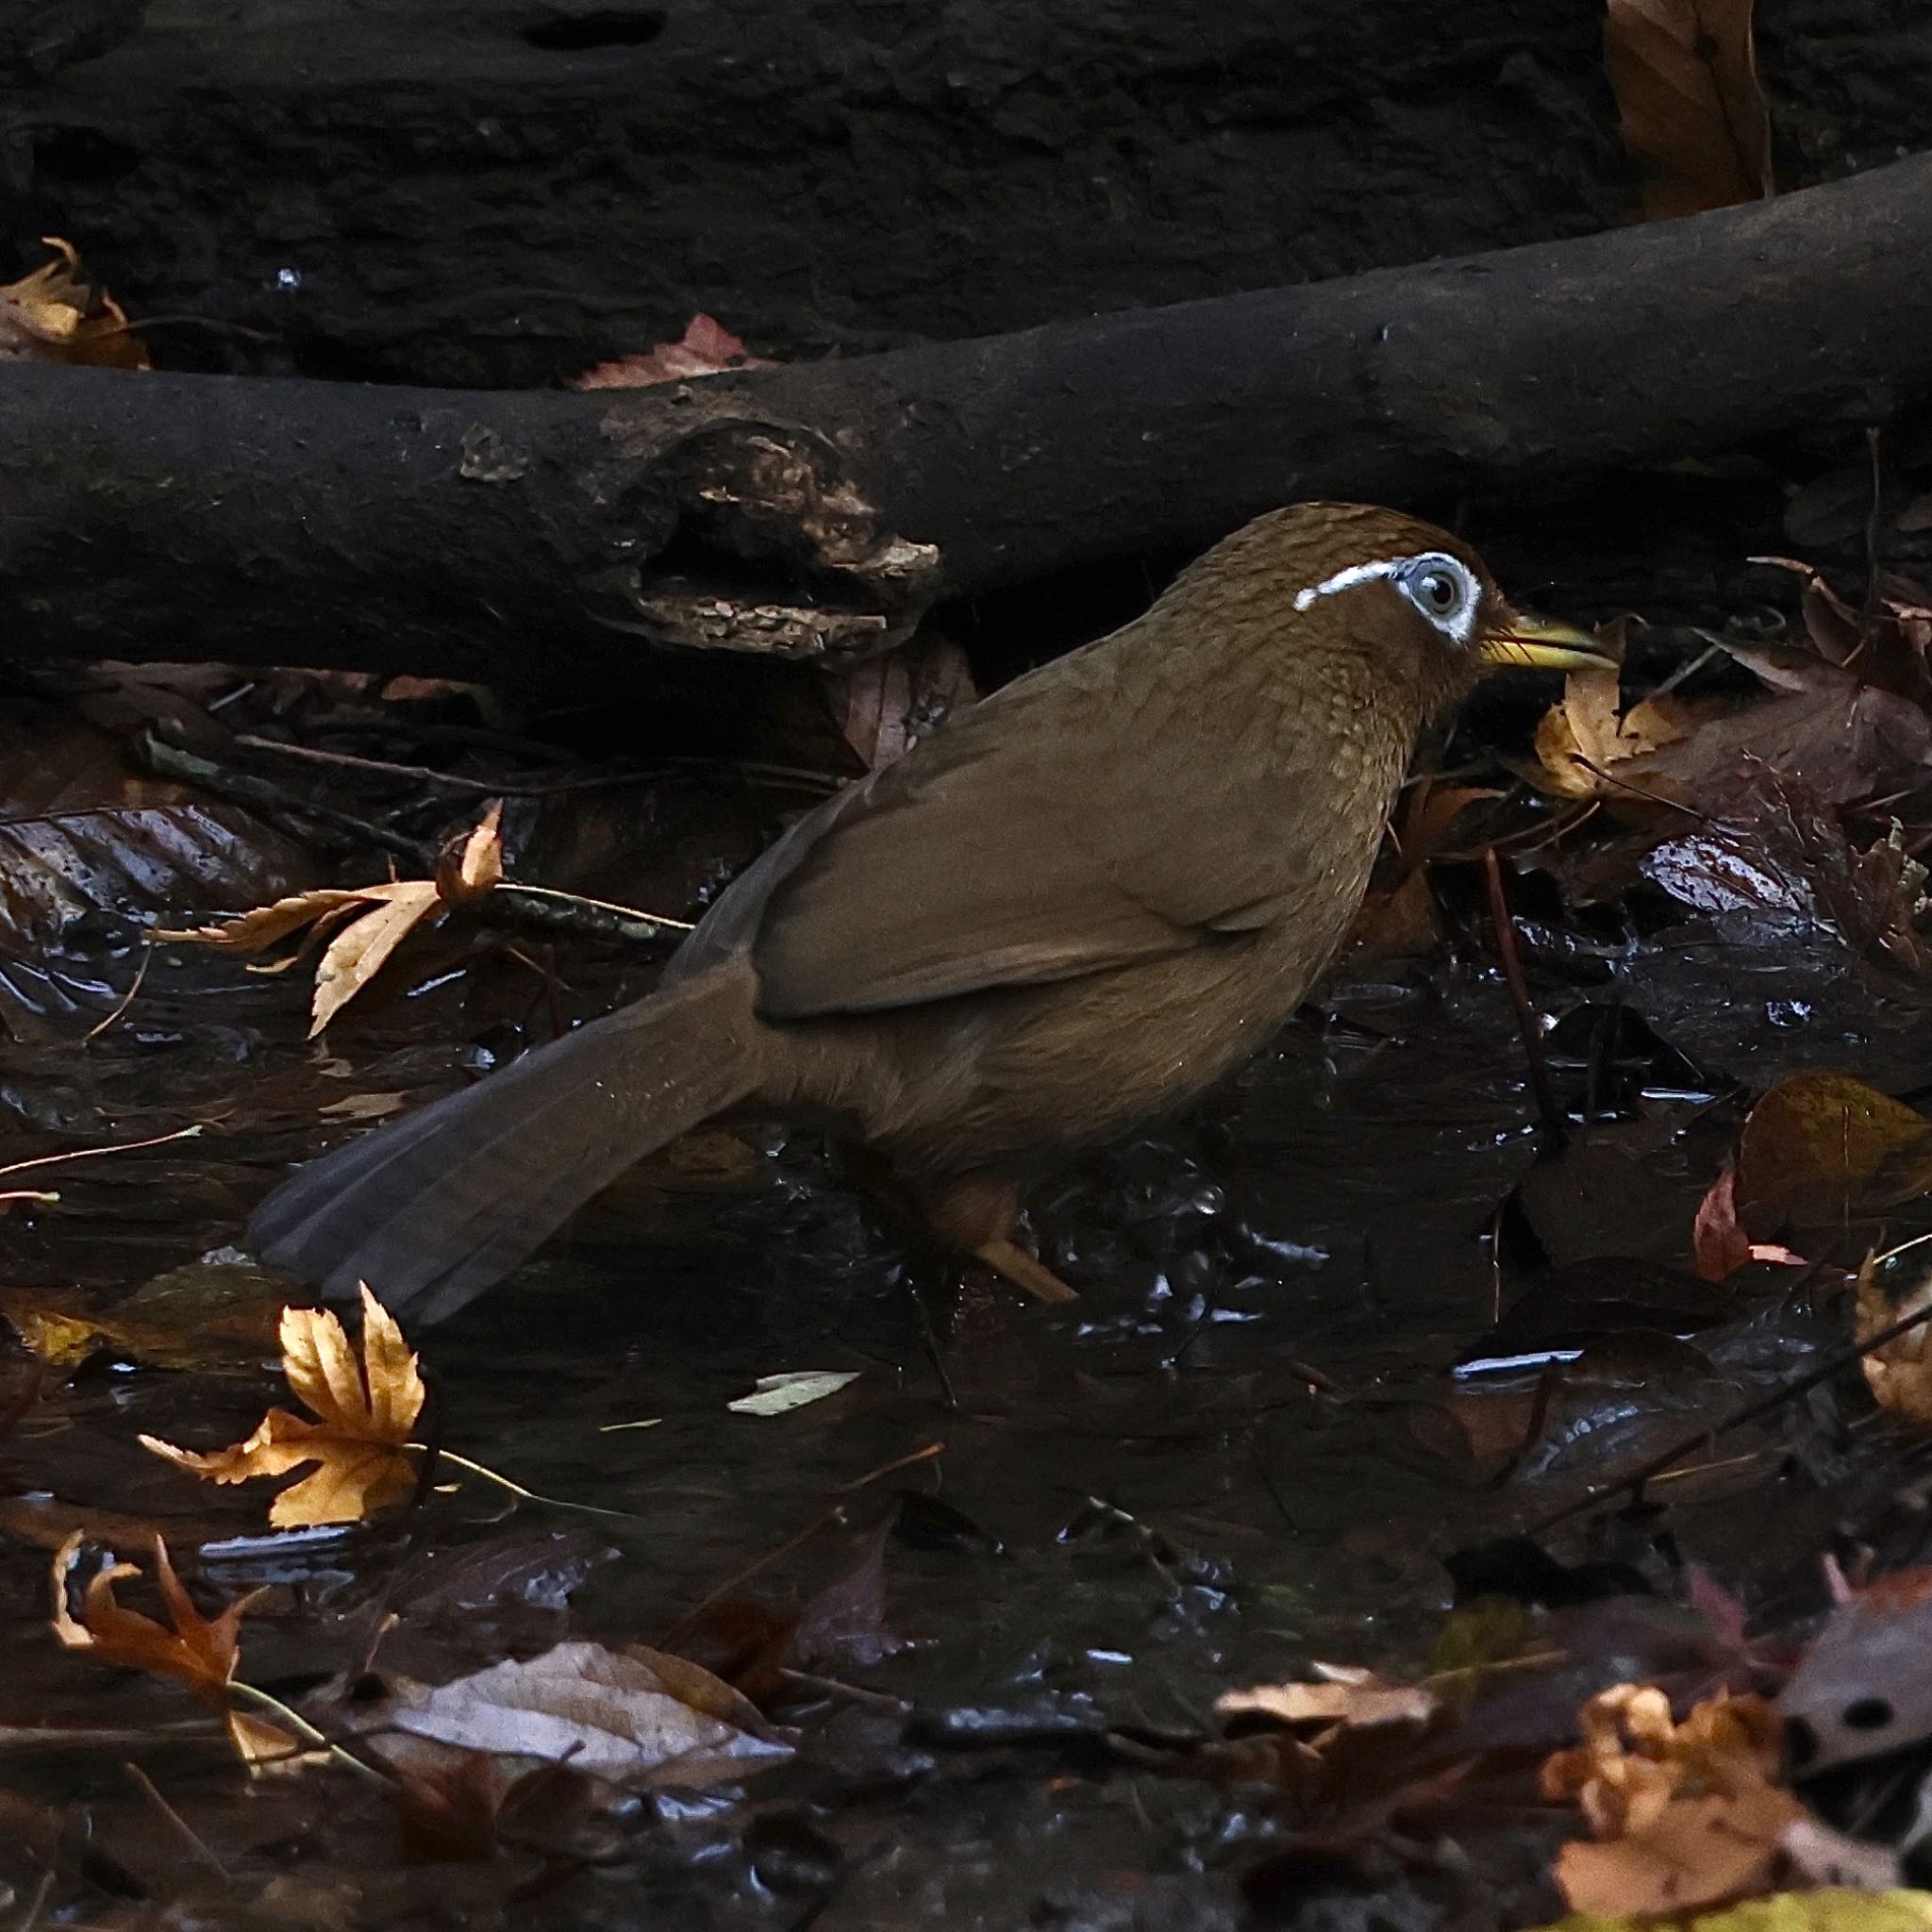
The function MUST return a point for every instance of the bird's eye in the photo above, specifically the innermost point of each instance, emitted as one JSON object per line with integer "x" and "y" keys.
{"x": 1442, "y": 589}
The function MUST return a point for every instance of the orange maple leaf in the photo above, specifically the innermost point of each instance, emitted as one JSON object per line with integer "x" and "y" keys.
{"x": 196, "y": 1653}
{"x": 358, "y": 1440}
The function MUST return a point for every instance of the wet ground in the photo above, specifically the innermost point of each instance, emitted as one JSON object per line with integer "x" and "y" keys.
{"x": 1242, "y": 1450}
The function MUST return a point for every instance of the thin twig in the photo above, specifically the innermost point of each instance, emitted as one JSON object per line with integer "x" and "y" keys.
{"x": 198, "y": 1846}
{"x": 1596, "y": 771}
{"x": 885, "y": 1469}
{"x": 1555, "y": 1132}
{"x": 304, "y": 1730}
{"x": 1763, "y": 1405}
{"x": 516, "y": 1489}
{"x": 127, "y": 999}
{"x": 15, "y": 1167}
{"x": 832, "y": 1519}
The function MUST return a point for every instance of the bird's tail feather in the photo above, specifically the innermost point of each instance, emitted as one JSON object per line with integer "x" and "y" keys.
{"x": 433, "y": 1208}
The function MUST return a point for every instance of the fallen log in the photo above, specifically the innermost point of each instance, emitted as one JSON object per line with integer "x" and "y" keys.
{"x": 817, "y": 510}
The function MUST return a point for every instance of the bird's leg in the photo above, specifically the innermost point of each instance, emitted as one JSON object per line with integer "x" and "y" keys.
{"x": 1027, "y": 1272}
{"x": 977, "y": 1213}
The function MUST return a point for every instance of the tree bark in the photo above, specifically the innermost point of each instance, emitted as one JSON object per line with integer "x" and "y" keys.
{"x": 816, "y": 510}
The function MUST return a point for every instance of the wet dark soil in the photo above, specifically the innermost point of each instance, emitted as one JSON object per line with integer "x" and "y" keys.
{"x": 1242, "y": 1451}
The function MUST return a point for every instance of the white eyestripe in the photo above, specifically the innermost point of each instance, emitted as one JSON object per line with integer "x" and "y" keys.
{"x": 1458, "y": 624}
{"x": 1347, "y": 579}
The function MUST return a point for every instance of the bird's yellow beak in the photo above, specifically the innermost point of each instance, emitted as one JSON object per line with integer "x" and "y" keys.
{"x": 1543, "y": 645}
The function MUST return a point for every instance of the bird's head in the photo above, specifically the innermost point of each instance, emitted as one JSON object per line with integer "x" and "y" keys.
{"x": 1355, "y": 583}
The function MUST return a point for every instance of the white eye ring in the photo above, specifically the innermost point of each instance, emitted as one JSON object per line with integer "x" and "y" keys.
{"x": 1444, "y": 590}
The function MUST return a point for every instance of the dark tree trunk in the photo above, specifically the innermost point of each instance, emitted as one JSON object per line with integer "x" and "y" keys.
{"x": 817, "y": 510}
{"x": 495, "y": 192}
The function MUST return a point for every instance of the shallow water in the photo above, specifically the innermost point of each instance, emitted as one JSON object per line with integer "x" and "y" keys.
{"x": 1235, "y": 1454}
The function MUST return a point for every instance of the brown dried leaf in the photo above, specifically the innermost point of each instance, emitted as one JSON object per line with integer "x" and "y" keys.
{"x": 1690, "y": 110}
{"x": 256, "y": 930}
{"x": 360, "y": 1442}
{"x": 1885, "y": 646}
{"x": 360, "y": 948}
{"x": 57, "y": 314}
{"x": 884, "y": 704}
{"x": 1346, "y": 1697}
{"x": 479, "y": 863}
{"x": 1699, "y": 1852}
{"x": 1586, "y": 729}
{"x": 356, "y": 953}
{"x": 630, "y": 1713}
{"x": 1682, "y": 1814}
{"x": 705, "y": 349}
{"x": 1899, "y": 1375}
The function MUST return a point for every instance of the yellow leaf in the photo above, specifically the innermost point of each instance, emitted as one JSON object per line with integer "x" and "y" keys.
{"x": 1690, "y": 107}
{"x": 1820, "y": 1148}
{"x": 363, "y": 1409}
{"x": 1586, "y": 730}
{"x": 1790, "y": 1911}
{"x": 56, "y": 315}
{"x": 481, "y": 865}
{"x": 357, "y": 952}
{"x": 253, "y": 931}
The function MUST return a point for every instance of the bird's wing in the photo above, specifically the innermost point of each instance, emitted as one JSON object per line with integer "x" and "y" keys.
{"x": 1008, "y": 850}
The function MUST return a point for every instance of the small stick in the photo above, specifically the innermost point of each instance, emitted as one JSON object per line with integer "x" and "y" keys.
{"x": 1555, "y": 1132}
{"x": 179, "y": 1824}
{"x": 832, "y": 1519}
{"x": 127, "y": 999}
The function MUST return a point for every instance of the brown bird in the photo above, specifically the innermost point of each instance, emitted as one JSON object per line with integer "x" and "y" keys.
{"x": 1068, "y": 911}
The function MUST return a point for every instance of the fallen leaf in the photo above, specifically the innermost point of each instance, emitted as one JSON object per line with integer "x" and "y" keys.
{"x": 1585, "y": 735}
{"x": 1699, "y": 1852}
{"x": 705, "y": 349}
{"x": 57, "y": 314}
{"x": 1690, "y": 107}
{"x": 1719, "y": 1245}
{"x": 1899, "y": 1375}
{"x": 1398, "y": 916}
{"x": 193, "y": 1317}
{"x": 1821, "y": 728}
{"x": 352, "y": 957}
{"x": 1346, "y": 1697}
{"x": 388, "y": 913}
{"x": 1822, "y": 1148}
{"x": 360, "y": 1441}
{"x": 1883, "y": 643}
{"x": 189, "y": 1648}
{"x": 1781, "y": 846}
{"x": 1680, "y": 1815}
{"x": 791, "y": 1389}
{"x": 624, "y": 1713}
{"x": 886, "y": 704}
{"x": 477, "y": 861}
